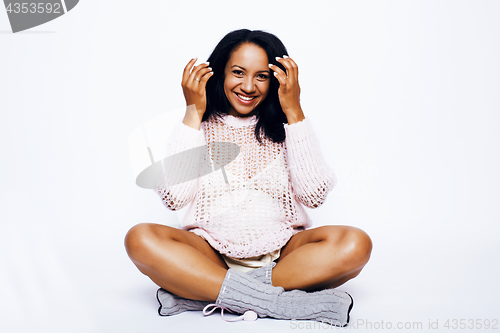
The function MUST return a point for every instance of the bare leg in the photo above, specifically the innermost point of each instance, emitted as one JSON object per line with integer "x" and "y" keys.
{"x": 323, "y": 257}
{"x": 177, "y": 260}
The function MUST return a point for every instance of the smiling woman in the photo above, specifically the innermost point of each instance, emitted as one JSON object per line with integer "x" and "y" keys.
{"x": 245, "y": 242}
{"x": 243, "y": 62}
{"x": 246, "y": 79}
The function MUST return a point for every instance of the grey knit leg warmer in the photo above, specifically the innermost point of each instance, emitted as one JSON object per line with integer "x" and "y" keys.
{"x": 240, "y": 293}
{"x": 263, "y": 274}
{"x": 171, "y": 304}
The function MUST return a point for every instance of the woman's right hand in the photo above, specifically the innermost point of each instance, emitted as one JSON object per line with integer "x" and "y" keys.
{"x": 194, "y": 81}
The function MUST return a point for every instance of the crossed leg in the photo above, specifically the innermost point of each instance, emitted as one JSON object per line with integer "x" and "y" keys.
{"x": 176, "y": 260}
{"x": 323, "y": 257}
{"x": 186, "y": 265}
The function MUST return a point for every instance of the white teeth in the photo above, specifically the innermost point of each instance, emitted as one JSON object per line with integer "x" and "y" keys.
{"x": 245, "y": 98}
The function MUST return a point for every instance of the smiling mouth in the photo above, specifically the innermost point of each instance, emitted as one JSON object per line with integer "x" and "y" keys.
{"x": 245, "y": 98}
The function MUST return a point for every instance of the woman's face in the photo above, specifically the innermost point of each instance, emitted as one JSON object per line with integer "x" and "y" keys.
{"x": 247, "y": 78}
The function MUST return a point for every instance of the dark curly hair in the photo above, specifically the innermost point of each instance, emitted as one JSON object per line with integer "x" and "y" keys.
{"x": 270, "y": 115}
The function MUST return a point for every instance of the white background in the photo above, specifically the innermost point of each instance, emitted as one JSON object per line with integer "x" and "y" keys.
{"x": 404, "y": 96}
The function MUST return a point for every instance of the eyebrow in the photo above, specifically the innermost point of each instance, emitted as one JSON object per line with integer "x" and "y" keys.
{"x": 243, "y": 68}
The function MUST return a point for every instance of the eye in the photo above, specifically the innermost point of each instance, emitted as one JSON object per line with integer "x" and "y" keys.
{"x": 263, "y": 76}
{"x": 238, "y": 72}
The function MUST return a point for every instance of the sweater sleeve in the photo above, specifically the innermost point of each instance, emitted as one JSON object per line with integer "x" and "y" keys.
{"x": 182, "y": 167}
{"x": 311, "y": 177}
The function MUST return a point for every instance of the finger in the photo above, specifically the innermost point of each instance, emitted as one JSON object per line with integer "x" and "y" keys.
{"x": 201, "y": 74}
{"x": 279, "y": 74}
{"x": 187, "y": 70}
{"x": 293, "y": 65}
{"x": 198, "y": 68}
{"x": 196, "y": 73}
{"x": 290, "y": 66}
{"x": 205, "y": 78}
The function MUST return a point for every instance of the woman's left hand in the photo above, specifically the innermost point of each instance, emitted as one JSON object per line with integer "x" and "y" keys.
{"x": 289, "y": 90}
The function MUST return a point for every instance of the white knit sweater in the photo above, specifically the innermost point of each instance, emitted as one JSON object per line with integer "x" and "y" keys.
{"x": 260, "y": 209}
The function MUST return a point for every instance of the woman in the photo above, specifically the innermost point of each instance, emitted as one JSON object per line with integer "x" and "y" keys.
{"x": 247, "y": 220}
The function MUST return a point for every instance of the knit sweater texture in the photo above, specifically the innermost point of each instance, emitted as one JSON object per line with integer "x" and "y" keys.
{"x": 260, "y": 206}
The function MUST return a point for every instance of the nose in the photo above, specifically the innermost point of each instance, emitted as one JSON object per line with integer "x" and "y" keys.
{"x": 248, "y": 86}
